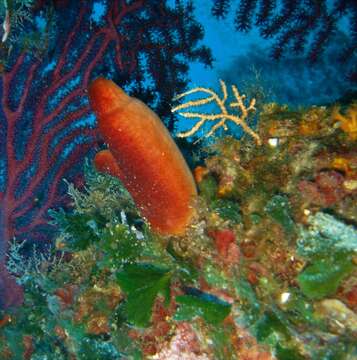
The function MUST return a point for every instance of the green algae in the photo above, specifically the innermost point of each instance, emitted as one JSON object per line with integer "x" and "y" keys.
{"x": 211, "y": 309}
{"x": 142, "y": 284}
{"x": 279, "y": 209}
{"x": 227, "y": 210}
{"x": 322, "y": 277}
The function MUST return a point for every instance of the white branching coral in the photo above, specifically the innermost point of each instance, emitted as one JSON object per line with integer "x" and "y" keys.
{"x": 220, "y": 119}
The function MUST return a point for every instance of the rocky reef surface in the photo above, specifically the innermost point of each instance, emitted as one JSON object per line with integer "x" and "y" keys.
{"x": 265, "y": 270}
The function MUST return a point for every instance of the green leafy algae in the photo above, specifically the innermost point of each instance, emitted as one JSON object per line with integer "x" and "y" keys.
{"x": 142, "y": 284}
{"x": 279, "y": 209}
{"x": 283, "y": 353}
{"x": 227, "y": 210}
{"x": 120, "y": 245}
{"x": 83, "y": 228}
{"x": 329, "y": 244}
{"x": 211, "y": 309}
{"x": 323, "y": 277}
{"x": 223, "y": 348}
{"x": 208, "y": 188}
{"x": 269, "y": 325}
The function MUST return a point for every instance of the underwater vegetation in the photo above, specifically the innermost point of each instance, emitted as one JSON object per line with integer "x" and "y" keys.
{"x": 46, "y": 127}
{"x": 266, "y": 269}
{"x": 112, "y": 247}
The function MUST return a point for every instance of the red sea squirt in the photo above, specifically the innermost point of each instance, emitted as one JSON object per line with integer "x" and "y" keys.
{"x": 142, "y": 154}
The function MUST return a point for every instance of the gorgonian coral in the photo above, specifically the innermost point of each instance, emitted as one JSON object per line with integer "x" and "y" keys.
{"x": 298, "y": 26}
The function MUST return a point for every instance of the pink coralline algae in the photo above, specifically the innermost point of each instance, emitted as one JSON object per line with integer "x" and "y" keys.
{"x": 326, "y": 189}
{"x": 184, "y": 345}
{"x": 225, "y": 242}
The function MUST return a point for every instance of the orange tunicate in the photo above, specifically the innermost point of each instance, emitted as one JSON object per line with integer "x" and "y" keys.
{"x": 144, "y": 157}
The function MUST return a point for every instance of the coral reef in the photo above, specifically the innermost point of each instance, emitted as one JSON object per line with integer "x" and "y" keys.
{"x": 265, "y": 270}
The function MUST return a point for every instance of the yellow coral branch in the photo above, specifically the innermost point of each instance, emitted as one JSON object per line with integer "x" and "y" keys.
{"x": 223, "y": 116}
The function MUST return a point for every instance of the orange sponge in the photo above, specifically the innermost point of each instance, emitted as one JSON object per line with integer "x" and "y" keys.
{"x": 144, "y": 157}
